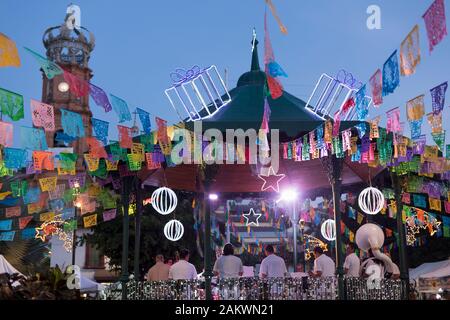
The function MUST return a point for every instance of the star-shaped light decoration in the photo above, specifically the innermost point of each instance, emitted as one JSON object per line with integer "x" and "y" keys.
{"x": 271, "y": 179}
{"x": 251, "y": 217}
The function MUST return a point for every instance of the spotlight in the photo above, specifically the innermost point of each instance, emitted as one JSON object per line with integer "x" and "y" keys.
{"x": 213, "y": 196}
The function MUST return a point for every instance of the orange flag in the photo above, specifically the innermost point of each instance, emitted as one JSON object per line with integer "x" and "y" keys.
{"x": 9, "y": 56}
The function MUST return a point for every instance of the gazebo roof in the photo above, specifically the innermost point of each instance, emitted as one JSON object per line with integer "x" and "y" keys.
{"x": 246, "y": 109}
{"x": 288, "y": 114}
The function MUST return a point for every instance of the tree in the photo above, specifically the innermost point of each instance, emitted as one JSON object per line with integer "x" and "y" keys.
{"x": 107, "y": 237}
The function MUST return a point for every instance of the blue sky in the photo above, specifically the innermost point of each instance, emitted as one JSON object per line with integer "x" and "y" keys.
{"x": 139, "y": 43}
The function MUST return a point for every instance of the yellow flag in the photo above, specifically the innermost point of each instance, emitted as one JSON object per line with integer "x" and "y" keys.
{"x": 410, "y": 52}
{"x": 9, "y": 56}
{"x": 90, "y": 221}
{"x": 48, "y": 184}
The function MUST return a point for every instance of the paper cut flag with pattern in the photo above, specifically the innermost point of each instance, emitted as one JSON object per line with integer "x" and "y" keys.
{"x": 435, "y": 23}
{"x": 101, "y": 130}
{"x": 376, "y": 85}
{"x": 9, "y": 56}
{"x": 410, "y": 53}
{"x": 50, "y": 68}
{"x": 11, "y": 104}
{"x": 121, "y": 108}
{"x": 78, "y": 86}
{"x": 72, "y": 124}
{"x": 6, "y": 134}
{"x": 125, "y": 137}
{"x": 144, "y": 116}
{"x": 100, "y": 98}
{"x": 33, "y": 138}
{"x": 391, "y": 75}
{"x": 42, "y": 115}
{"x": 14, "y": 158}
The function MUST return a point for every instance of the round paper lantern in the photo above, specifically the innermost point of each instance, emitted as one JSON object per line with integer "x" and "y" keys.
{"x": 173, "y": 230}
{"x": 369, "y": 236}
{"x": 164, "y": 200}
{"x": 328, "y": 229}
{"x": 371, "y": 200}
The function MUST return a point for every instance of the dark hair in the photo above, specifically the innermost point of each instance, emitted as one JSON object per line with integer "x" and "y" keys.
{"x": 228, "y": 250}
{"x": 318, "y": 250}
{"x": 184, "y": 253}
{"x": 351, "y": 245}
{"x": 269, "y": 248}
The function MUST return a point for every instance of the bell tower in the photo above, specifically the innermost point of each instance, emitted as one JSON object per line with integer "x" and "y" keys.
{"x": 69, "y": 46}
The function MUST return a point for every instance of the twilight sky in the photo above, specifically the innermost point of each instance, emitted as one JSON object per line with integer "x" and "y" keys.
{"x": 139, "y": 43}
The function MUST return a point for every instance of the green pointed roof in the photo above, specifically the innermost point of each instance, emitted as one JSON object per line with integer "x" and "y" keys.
{"x": 246, "y": 109}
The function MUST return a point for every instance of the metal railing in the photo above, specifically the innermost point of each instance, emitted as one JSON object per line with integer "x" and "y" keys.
{"x": 259, "y": 289}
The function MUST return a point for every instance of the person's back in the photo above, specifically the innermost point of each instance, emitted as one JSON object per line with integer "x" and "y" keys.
{"x": 352, "y": 265}
{"x": 273, "y": 266}
{"x": 159, "y": 272}
{"x": 325, "y": 265}
{"x": 183, "y": 270}
{"x": 228, "y": 266}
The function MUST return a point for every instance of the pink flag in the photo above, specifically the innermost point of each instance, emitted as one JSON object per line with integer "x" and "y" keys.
{"x": 393, "y": 120}
{"x": 376, "y": 85}
{"x": 435, "y": 23}
{"x": 42, "y": 115}
{"x": 6, "y": 134}
{"x": 79, "y": 87}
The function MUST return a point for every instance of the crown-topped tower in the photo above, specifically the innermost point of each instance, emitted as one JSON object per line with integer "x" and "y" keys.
{"x": 69, "y": 47}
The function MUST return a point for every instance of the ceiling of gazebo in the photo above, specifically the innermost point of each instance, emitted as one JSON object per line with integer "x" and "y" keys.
{"x": 239, "y": 178}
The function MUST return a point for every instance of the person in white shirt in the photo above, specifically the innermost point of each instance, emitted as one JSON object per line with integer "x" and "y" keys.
{"x": 183, "y": 270}
{"x": 352, "y": 262}
{"x": 323, "y": 265}
{"x": 272, "y": 265}
{"x": 228, "y": 265}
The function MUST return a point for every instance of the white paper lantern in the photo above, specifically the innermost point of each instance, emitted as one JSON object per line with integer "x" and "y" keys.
{"x": 369, "y": 236}
{"x": 371, "y": 200}
{"x": 173, "y": 230}
{"x": 328, "y": 229}
{"x": 164, "y": 200}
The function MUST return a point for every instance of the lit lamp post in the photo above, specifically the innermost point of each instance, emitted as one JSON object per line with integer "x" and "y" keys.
{"x": 302, "y": 230}
{"x": 290, "y": 196}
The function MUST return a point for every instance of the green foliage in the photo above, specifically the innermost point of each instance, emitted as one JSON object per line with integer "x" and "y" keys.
{"x": 107, "y": 237}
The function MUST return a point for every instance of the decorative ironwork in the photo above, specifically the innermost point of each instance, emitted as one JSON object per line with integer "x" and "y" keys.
{"x": 305, "y": 288}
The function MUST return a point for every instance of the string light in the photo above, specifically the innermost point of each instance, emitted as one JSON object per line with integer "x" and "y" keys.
{"x": 164, "y": 200}
{"x": 328, "y": 229}
{"x": 253, "y": 216}
{"x": 311, "y": 243}
{"x": 269, "y": 175}
{"x": 173, "y": 230}
{"x": 414, "y": 225}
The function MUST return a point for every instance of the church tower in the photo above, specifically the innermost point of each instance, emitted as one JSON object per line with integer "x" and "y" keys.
{"x": 70, "y": 48}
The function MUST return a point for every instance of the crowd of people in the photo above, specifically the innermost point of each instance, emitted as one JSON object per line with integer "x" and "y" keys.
{"x": 228, "y": 265}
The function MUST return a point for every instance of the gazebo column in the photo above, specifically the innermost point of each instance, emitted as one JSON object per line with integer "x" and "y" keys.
{"x": 404, "y": 273}
{"x": 137, "y": 229}
{"x": 333, "y": 167}
{"x": 208, "y": 251}
{"x": 126, "y": 186}
{"x": 207, "y": 175}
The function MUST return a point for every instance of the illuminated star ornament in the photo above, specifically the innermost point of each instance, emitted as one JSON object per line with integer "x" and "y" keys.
{"x": 271, "y": 180}
{"x": 252, "y": 218}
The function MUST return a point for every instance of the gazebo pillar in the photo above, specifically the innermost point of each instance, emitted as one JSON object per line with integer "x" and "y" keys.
{"x": 404, "y": 273}
{"x": 137, "y": 229}
{"x": 333, "y": 167}
{"x": 126, "y": 186}
{"x": 208, "y": 252}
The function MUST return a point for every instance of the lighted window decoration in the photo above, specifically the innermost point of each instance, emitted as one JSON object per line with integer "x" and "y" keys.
{"x": 371, "y": 200}
{"x": 199, "y": 92}
{"x": 164, "y": 200}
{"x": 328, "y": 230}
{"x": 173, "y": 230}
{"x": 331, "y": 93}
{"x": 414, "y": 225}
{"x": 312, "y": 242}
{"x": 252, "y": 218}
{"x": 271, "y": 179}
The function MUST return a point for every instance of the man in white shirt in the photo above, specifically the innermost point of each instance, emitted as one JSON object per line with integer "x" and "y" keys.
{"x": 352, "y": 262}
{"x": 183, "y": 270}
{"x": 228, "y": 265}
{"x": 323, "y": 265}
{"x": 272, "y": 266}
